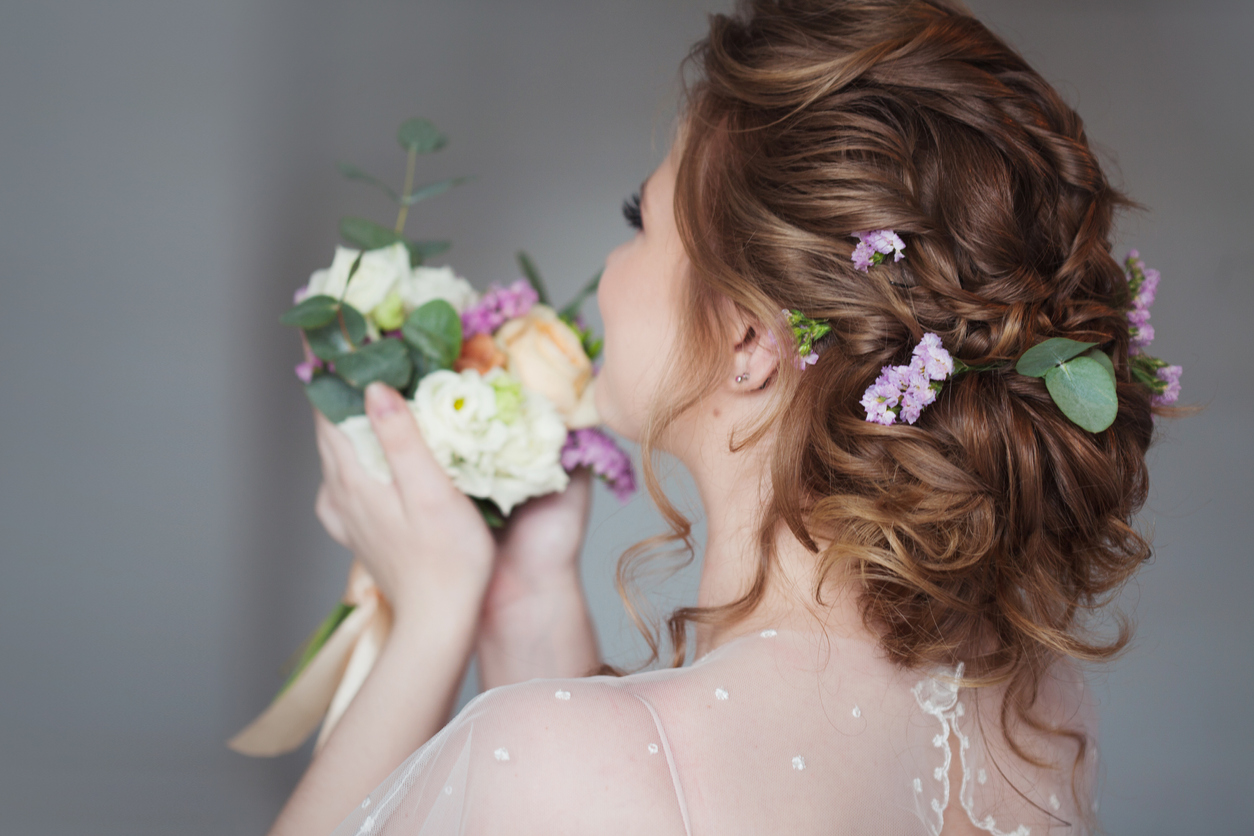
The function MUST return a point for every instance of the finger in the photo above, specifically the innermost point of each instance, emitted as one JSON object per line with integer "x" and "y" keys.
{"x": 417, "y": 475}
{"x": 324, "y": 432}
{"x": 330, "y": 518}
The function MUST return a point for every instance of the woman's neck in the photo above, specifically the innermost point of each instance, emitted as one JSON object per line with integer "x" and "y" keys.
{"x": 734, "y": 489}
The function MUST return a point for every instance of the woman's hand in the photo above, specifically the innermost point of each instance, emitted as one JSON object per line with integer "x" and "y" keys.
{"x": 427, "y": 547}
{"x": 535, "y": 620}
{"x": 422, "y": 540}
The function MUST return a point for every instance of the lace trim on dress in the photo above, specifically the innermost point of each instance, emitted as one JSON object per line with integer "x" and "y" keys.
{"x": 938, "y": 696}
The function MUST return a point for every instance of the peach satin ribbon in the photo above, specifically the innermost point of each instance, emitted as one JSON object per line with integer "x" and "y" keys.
{"x": 325, "y": 687}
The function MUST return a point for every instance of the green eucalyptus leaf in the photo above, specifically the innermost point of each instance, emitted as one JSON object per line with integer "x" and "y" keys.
{"x": 334, "y": 398}
{"x": 1085, "y": 392}
{"x": 420, "y": 251}
{"x": 432, "y": 189}
{"x": 339, "y": 336}
{"x": 386, "y": 360}
{"x": 572, "y": 308}
{"x": 532, "y": 275}
{"x": 435, "y": 331}
{"x": 312, "y": 312}
{"x": 1104, "y": 361}
{"x": 352, "y": 172}
{"x": 420, "y": 136}
{"x": 1039, "y": 359}
{"x": 367, "y": 235}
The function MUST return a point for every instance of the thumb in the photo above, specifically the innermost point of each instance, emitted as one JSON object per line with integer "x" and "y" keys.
{"x": 415, "y": 472}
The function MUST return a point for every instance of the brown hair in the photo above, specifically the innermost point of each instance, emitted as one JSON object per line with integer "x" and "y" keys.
{"x": 988, "y": 530}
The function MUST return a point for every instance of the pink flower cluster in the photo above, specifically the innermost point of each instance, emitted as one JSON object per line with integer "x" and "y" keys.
{"x": 594, "y": 449}
{"x": 874, "y": 245}
{"x": 1171, "y": 376}
{"x": 1144, "y": 284}
{"x": 903, "y": 391}
{"x": 498, "y": 306}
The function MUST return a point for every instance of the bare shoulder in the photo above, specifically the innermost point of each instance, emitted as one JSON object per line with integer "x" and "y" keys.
{"x": 568, "y": 756}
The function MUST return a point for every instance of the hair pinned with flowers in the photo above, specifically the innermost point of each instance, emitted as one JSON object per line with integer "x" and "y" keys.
{"x": 874, "y": 247}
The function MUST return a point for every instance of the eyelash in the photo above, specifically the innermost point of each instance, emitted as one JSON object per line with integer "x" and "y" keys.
{"x": 631, "y": 211}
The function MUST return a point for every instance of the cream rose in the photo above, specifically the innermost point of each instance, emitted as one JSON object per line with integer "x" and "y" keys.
{"x": 379, "y": 273}
{"x": 423, "y": 284}
{"x": 547, "y": 356}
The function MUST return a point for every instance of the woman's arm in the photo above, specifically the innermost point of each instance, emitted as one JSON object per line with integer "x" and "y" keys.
{"x": 427, "y": 547}
{"x": 535, "y": 621}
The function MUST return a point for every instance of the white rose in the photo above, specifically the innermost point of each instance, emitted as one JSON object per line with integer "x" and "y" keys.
{"x": 493, "y": 438}
{"x": 423, "y": 284}
{"x": 379, "y": 272}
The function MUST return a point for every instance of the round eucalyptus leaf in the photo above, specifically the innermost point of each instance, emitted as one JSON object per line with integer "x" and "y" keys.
{"x": 431, "y": 190}
{"x": 312, "y": 312}
{"x": 1085, "y": 392}
{"x": 435, "y": 331}
{"x": 1104, "y": 360}
{"x": 1039, "y": 359}
{"x": 367, "y": 235}
{"x": 420, "y": 251}
{"x": 420, "y": 136}
{"x": 334, "y": 398}
{"x": 385, "y": 360}
{"x": 339, "y": 336}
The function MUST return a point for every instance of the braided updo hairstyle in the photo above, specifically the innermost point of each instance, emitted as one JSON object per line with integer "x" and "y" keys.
{"x": 989, "y": 530}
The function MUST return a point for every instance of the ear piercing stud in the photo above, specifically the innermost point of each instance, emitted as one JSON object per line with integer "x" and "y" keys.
{"x": 741, "y": 378}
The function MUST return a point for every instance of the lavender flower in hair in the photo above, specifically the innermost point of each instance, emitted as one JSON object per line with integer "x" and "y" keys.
{"x": 874, "y": 247}
{"x": 901, "y": 392}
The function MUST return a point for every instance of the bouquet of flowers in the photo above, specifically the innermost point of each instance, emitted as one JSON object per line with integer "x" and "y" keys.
{"x": 500, "y": 384}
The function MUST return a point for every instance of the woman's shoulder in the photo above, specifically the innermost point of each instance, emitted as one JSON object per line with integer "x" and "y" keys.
{"x": 578, "y": 751}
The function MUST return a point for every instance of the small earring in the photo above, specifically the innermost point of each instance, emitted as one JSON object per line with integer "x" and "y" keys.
{"x": 741, "y": 378}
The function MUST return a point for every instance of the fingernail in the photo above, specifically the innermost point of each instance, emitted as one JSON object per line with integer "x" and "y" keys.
{"x": 382, "y": 400}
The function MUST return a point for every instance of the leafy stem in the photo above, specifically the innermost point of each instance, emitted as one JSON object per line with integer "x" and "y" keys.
{"x": 410, "y": 161}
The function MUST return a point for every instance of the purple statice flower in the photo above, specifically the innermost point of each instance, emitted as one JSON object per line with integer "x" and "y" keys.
{"x": 1143, "y": 282}
{"x": 936, "y": 360}
{"x": 874, "y": 245}
{"x": 497, "y": 306}
{"x": 903, "y": 391}
{"x": 594, "y": 449}
{"x": 1171, "y": 376}
{"x": 305, "y": 370}
{"x": 883, "y": 397}
{"x": 862, "y": 255}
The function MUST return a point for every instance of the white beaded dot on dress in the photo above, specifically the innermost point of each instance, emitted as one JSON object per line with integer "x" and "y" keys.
{"x": 798, "y": 763}
{"x": 562, "y": 695}
{"x": 501, "y": 754}
{"x": 720, "y": 694}
{"x": 857, "y": 712}
{"x": 652, "y": 748}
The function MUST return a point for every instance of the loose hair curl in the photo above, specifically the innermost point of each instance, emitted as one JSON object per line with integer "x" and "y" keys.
{"x": 988, "y": 530}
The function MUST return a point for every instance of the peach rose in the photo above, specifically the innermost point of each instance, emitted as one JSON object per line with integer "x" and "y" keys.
{"x": 547, "y": 356}
{"x": 481, "y": 354}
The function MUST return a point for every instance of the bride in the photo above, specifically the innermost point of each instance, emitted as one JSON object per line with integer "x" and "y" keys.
{"x": 890, "y": 611}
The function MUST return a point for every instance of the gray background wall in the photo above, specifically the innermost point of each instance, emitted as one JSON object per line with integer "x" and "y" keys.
{"x": 166, "y": 181}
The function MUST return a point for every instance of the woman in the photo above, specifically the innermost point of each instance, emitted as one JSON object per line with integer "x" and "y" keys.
{"x": 889, "y": 610}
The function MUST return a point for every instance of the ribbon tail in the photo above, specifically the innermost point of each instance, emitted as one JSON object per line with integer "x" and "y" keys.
{"x": 295, "y": 712}
{"x": 365, "y": 653}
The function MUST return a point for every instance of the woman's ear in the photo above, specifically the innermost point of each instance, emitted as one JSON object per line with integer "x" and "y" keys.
{"x": 755, "y": 355}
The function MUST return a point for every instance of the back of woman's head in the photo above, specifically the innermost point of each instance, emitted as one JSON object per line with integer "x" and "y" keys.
{"x": 988, "y": 529}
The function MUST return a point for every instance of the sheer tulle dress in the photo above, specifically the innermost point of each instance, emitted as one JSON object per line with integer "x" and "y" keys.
{"x": 775, "y": 732}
